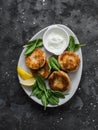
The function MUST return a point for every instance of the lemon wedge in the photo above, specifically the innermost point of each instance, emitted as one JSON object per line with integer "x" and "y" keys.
{"x": 28, "y": 82}
{"x": 23, "y": 74}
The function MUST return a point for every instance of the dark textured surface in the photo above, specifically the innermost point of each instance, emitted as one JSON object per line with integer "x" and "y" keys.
{"x": 19, "y": 21}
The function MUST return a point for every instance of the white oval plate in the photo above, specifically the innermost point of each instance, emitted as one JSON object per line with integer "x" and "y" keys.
{"x": 74, "y": 76}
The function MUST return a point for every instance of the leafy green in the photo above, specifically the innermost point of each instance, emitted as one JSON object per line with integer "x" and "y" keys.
{"x": 77, "y": 46}
{"x": 30, "y": 49}
{"x": 44, "y": 101}
{"x": 35, "y": 91}
{"x": 39, "y": 43}
{"x": 49, "y": 65}
{"x": 53, "y": 63}
{"x": 39, "y": 94}
{"x": 53, "y": 66}
{"x": 53, "y": 100}
{"x": 34, "y": 87}
{"x": 47, "y": 96}
{"x": 32, "y": 45}
{"x": 41, "y": 84}
{"x": 73, "y": 46}
{"x": 58, "y": 94}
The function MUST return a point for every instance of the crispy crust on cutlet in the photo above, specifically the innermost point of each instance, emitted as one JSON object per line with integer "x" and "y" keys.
{"x": 36, "y": 59}
{"x": 59, "y": 80}
{"x": 45, "y": 70}
{"x": 69, "y": 61}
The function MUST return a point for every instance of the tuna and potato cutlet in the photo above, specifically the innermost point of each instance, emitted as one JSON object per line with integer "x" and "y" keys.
{"x": 36, "y": 59}
{"x": 58, "y": 80}
{"x": 69, "y": 61}
{"x": 43, "y": 71}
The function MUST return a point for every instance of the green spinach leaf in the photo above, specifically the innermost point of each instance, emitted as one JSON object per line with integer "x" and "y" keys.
{"x": 53, "y": 63}
{"x": 73, "y": 46}
{"x": 32, "y": 45}
{"x": 58, "y": 94}
{"x": 44, "y": 101}
{"x": 30, "y": 49}
{"x": 53, "y": 100}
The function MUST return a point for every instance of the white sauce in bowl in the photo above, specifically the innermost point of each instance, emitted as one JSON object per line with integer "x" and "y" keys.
{"x": 55, "y": 40}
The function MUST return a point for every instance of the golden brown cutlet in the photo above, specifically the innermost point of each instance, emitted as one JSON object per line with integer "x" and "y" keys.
{"x": 69, "y": 61}
{"x": 59, "y": 80}
{"x": 36, "y": 59}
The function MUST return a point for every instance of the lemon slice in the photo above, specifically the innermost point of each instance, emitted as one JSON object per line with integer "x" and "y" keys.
{"x": 28, "y": 82}
{"x": 23, "y": 74}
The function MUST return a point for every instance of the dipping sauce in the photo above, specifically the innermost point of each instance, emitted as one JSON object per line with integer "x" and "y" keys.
{"x": 55, "y": 40}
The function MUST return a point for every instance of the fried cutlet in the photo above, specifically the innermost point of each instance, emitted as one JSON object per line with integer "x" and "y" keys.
{"x": 59, "y": 80}
{"x": 45, "y": 70}
{"x": 69, "y": 61}
{"x": 36, "y": 59}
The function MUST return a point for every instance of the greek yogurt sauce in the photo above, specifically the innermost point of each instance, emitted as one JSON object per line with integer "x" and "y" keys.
{"x": 55, "y": 42}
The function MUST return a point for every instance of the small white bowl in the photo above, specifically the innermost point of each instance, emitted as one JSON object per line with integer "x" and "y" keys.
{"x": 55, "y": 39}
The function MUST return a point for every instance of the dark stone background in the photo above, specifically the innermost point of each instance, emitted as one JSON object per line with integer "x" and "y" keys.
{"x": 19, "y": 21}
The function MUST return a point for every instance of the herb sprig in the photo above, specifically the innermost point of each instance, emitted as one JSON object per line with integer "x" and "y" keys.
{"x": 72, "y": 45}
{"x": 53, "y": 63}
{"x": 47, "y": 96}
{"x": 32, "y": 45}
